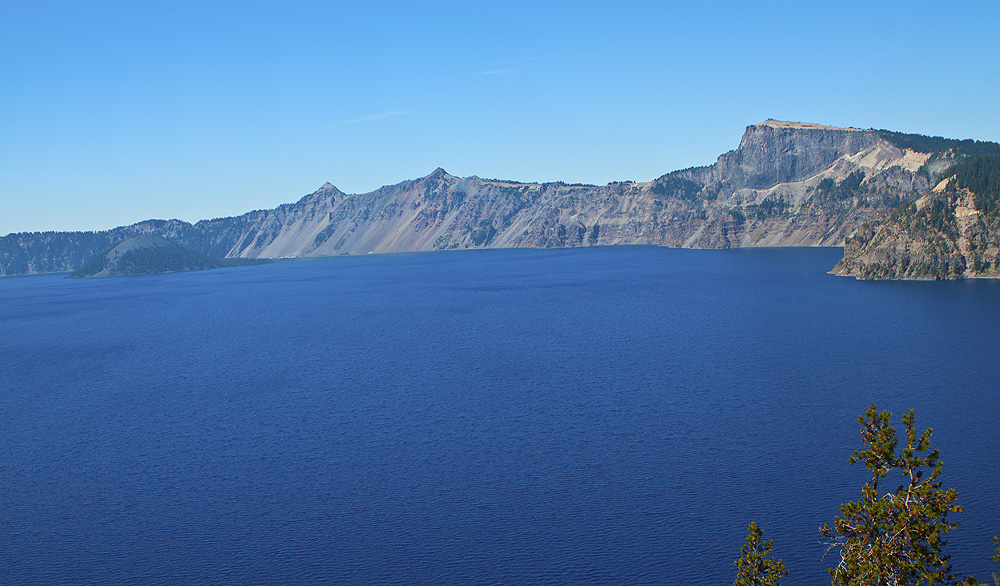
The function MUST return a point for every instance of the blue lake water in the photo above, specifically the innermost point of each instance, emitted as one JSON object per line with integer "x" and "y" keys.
{"x": 610, "y": 415}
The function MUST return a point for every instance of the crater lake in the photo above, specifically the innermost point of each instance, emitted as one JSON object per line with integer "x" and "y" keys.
{"x": 611, "y": 415}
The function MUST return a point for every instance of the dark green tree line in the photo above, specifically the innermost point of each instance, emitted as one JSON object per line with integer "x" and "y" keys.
{"x": 981, "y": 176}
{"x": 935, "y": 144}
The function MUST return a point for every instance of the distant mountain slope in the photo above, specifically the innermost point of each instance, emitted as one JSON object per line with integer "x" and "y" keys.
{"x": 765, "y": 193}
{"x": 951, "y": 232}
{"x": 148, "y": 254}
{"x": 787, "y": 184}
{"x": 46, "y": 252}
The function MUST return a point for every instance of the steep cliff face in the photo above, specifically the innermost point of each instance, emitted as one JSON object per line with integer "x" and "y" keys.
{"x": 949, "y": 233}
{"x": 774, "y": 152}
{"x": 764, "y": 193}
{"x": 787, "y": 184}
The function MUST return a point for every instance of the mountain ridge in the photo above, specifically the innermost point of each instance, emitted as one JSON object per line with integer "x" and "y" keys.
{"x": 786, "y": 184}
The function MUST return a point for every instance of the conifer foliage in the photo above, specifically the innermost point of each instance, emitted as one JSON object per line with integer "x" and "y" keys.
{"x": 895, "y": 537}
{"x": 756, "y": 566}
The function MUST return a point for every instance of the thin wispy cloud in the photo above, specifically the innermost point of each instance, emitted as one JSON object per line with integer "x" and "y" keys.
{"x": 498, "y": 71}
{"x": 373, "y": 117}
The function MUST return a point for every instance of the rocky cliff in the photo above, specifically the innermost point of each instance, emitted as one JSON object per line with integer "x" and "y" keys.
{"x": 775, "y": 152}
{"x": 786, "y": 184}
{"x": 951, "y": 232}
{"x": 764, "y": 193}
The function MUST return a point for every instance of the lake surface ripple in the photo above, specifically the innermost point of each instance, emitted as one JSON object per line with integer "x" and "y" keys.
{"x": 593, "y": 416}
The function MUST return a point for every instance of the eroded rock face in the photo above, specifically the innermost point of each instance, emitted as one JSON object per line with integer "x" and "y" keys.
{"x": 941, "y": 236}
{"x": 787, "y": 184}
{"x": 764, "y": 193}
{"x": 774, "y": 152}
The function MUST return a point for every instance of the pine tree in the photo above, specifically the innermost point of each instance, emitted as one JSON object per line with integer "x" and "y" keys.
{"x": 755, "y": 566}
{"x": 895, "y": 538}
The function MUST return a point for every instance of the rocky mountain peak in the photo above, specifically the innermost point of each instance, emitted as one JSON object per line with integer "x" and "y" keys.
{"x": 327, "y": 192}
{"x": 326, "y": 188}
{"x": 437, "y": 177}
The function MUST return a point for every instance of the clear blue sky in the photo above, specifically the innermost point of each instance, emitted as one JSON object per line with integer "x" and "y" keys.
{"x": 115, "y": 112}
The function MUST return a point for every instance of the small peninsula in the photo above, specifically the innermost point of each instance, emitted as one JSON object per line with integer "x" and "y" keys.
{"x": 951, "y": 232}
{"x": 149, "y": 254}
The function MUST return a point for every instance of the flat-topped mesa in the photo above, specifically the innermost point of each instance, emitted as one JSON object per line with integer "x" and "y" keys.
{"x": 802, "y": 125}
{"x": 774, "y": 152}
